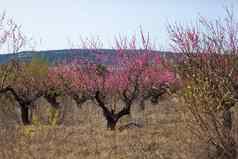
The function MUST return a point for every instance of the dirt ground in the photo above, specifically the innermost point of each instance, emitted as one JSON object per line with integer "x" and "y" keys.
{"x": 84, "y": 135}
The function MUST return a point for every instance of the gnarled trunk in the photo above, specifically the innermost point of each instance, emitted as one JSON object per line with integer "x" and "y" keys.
{"x": 112, "y": 117}
{"x": 111, "y": 124}
{"x": 24, "y": 101}
{"x": 25, "y": 115}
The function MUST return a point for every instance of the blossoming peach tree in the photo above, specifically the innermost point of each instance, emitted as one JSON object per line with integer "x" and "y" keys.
{"x": 138, "y": 75}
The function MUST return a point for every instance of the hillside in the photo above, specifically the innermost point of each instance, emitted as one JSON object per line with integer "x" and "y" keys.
{"x": 53, "y": 56}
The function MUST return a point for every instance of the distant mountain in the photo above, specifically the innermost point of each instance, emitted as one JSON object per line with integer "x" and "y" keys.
{"x": 54, "y": 56}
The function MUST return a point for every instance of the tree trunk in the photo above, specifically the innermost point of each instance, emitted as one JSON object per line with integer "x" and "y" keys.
{"x": 229, "y": 151}
{"x": 227, "y": 120}
{"x": 112, "y": 117}
{"x": 25, "y": 115}
{"x": 111, "y": 124}
{"x": 142, "y": 105}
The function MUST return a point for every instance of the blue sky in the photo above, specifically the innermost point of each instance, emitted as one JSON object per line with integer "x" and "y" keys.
{"x": 53, "y": 23}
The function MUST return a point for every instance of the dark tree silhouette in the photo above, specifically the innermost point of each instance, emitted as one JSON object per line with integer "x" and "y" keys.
{"x": 25, "y": 102}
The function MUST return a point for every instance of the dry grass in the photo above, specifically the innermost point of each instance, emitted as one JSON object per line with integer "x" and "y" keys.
{"x": 163, "y": 136}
